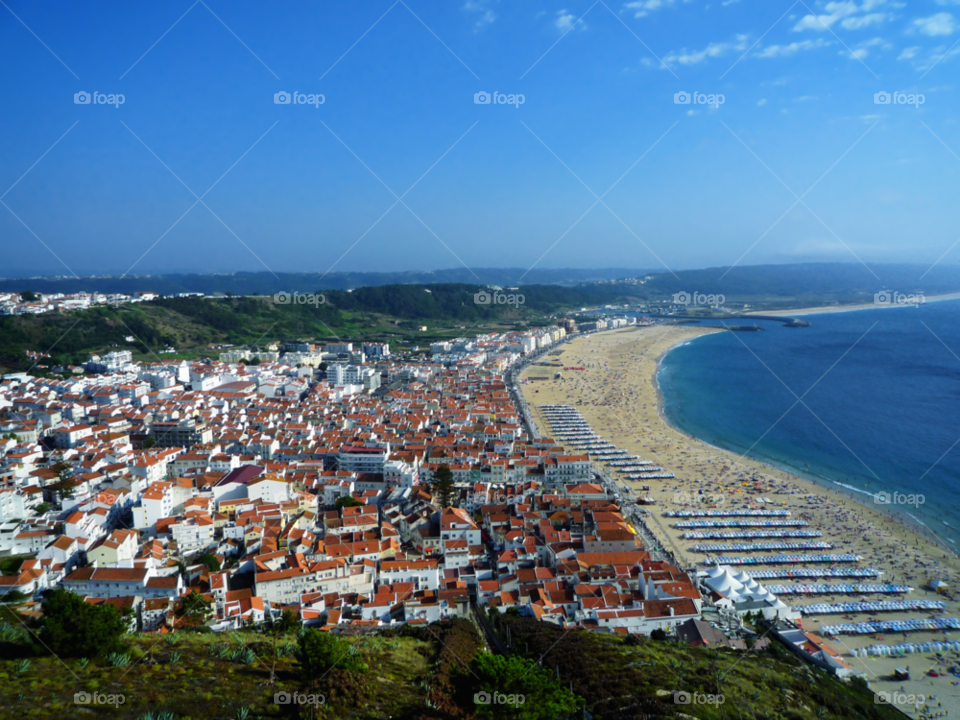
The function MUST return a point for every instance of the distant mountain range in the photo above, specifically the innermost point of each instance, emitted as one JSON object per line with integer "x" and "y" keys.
{"x": 266, "y": 283}
{"x": 787, "y": 285}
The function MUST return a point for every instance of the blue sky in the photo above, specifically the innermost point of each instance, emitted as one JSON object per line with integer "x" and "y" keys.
{"x": 799, "y": 162}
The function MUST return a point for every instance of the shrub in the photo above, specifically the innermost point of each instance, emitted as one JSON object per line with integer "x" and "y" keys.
{"x": 543, "y": 696}
{"x": 118, "y": 660}
{"x": 319, "y": 652}
{"x": 73, "y": 628}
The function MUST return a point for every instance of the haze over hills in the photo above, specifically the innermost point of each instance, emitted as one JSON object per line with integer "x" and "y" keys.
{"x": 246, "y": 283}
{"x": 796, "y": 284}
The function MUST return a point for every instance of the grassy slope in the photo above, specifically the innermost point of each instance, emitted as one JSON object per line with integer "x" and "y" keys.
{"x": 191, "y": 326}
{"x": 636, "y": 678}
{"x": 620, "y": 679}
{"x": 201, "y": 685}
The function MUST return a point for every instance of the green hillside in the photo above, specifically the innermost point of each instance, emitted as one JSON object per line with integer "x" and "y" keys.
{"x": 421, "y": 673}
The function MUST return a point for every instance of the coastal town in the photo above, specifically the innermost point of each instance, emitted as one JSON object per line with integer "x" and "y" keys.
{"x": 31, "y": 303}
{"x": 361, "y": 489}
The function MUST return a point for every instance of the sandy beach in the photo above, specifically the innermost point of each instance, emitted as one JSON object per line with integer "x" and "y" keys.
{"x": 618, "y": 395}
{"x": 848, "y": 308}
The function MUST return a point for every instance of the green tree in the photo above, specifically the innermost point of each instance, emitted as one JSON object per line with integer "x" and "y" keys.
{"x": 535, "y": 693}
{"x": 318, "y": 652}
{"x": 14, "y": 597}
{"x": 347, "y": 501}
{"x": 210, "y": 560}
{"x": 442, "y": 486}
{"x": 43, "y": 508}
{"x": 194, "y": 607}
{"x": 149, "y": 442}
{"x": 73, "y": 628}
{"x": 63, "y": 484}
{"x": 287, "y": 621}
{"x": 28, "y": 296}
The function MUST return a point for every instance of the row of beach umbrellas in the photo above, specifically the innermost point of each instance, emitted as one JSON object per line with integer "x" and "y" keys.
{"x": 838, "y": 589}
{"x": 937, "y": 646}
{"x": 726, "y": 513}
{"x": 747, "y": 534}
{"x": 784, "y": 559}
{"x": 757, "y": 547}
{"x": 888, "y": 626}
{"x": 866, "y": 607}
{"x": 795, "y": 573}
{"x": 739, "y": 523}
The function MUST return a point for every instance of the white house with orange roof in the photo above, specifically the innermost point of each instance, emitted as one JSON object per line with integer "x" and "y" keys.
{"x": 63, "y": 554}
{"x": 72, "y": 435}
{"x": 269, "y": 489}
{"x": 31, "y": 578}
{"x": 286, "y": 586}
{"x": 156, "y": 502}
{"x": 92, "y": 581}
{"x": 456, "y": 524}
{"x": 118, "y": 549}
{"x": 193, "y": 533}
{"x": 424, "y": 574}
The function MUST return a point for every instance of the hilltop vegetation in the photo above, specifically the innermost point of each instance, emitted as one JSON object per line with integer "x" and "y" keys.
{"x": 266, "y": 283}
{"x": 804, "y": 282}
{"x": 419, "y": 673}
{"x": 395, "y": 312}
{"x": 193, "y": 324}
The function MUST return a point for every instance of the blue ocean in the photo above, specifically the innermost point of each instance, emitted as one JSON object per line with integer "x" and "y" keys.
{"x": 869, "y": 399}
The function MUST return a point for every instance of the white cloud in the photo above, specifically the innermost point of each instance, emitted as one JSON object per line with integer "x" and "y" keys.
{"x": 772, "y": 51}
{"x": 713, "y": 50}
{"x": 835, "y": 11}
{"x": 939, "y": 24}
{"x": 847, "y": 13}
{"x": 908, "y": 53}
{"x": 861, "y": 52}
{"x": 566, "y": 20}
{"x": 487, "y": 16}
{"x": 645, "y": 7}
{"x": 806, "y": 98}
{"x": 855, "y": 23}
{"x": 762, "y": 102}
